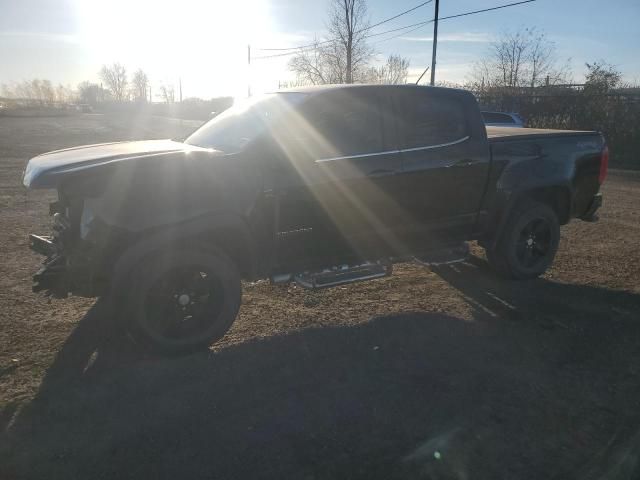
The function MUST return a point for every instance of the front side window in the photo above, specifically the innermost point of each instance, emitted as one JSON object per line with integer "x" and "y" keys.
{"x": 344, "y": 123}
{"x": 426, "y": 120}
{"x": 237, "y": 126}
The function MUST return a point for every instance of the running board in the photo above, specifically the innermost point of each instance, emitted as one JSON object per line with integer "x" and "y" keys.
{"x": 445, "y": 256}
{"x": 341, "y": 275}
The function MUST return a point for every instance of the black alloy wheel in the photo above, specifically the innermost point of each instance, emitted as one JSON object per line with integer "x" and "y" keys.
{"x": 184, "y": 301}
{"x": 528, "y": 243}
{"x": 534, "y": 243}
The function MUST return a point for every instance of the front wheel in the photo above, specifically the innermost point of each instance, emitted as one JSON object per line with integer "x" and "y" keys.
{"x": 529, "y": 242}
{"x": 183, "y": 301}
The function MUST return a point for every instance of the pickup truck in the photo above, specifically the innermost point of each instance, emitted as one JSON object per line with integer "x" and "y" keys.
{"x": 321, "y": 186}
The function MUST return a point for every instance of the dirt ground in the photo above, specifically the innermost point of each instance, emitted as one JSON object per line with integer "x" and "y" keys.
{"x": 436, "y": 373}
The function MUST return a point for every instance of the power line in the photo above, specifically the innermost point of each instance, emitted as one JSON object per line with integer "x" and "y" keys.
{"x": 313, "y": 46}
{"x": 486, "y": 9}
{"x": 399, "y": 15}
{"x": 417, "y": 26}
{"x": 422, "y": 24}
{"x": 306, "y": 48}
{"x": 386, "y": 20}
{"x": 398, "y": 29}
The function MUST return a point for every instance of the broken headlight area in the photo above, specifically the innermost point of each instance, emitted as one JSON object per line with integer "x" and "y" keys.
{"x": 67, "y": 268}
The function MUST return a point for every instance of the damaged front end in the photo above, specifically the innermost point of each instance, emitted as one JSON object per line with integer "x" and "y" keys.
{"x": 67, "y": 267}
{"x": 107, "y": 196}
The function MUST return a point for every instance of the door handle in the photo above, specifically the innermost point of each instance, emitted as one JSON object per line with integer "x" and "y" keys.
{"x": 381, "y": 173}
{"x": 461, "y": 164}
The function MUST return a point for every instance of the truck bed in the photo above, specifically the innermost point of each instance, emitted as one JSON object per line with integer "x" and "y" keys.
{"x": 495, "y": 134}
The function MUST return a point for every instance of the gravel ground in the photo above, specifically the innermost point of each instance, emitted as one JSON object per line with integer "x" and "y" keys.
{"x": 432, "y": 373}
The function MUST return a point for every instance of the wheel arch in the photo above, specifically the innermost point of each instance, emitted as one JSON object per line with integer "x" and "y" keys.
{"x": 226, "y": 232}
{"x": 557, "y": 197}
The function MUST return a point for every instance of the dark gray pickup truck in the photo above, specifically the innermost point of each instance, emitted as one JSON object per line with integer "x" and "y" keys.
{"x": 321, "y": 186}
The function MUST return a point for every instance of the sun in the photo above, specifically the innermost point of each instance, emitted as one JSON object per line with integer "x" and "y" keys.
{"x": 202, "y": 42}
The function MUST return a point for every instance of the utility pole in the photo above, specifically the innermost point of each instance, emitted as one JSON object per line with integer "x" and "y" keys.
{"x": 249, "y": 70}
{"x": 180, "y": 88}
{"x": 435, "y": 44}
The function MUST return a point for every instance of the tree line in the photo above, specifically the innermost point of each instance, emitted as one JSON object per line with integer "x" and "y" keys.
{"x": 115, "y": 86}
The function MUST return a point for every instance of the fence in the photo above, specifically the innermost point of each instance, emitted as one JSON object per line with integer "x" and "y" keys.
{"x": 616, "y": 115}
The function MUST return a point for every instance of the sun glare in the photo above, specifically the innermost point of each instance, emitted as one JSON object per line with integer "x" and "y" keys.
{"x": 202, "y": 42}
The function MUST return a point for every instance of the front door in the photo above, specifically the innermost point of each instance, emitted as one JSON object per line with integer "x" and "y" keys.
{"x": 339, "y": 186}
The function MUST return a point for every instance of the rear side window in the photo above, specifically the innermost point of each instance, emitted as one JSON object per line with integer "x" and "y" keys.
{"x": 345, "y": 123}
{"x": 493, "y": 117}
{"x": 429, "y": 120}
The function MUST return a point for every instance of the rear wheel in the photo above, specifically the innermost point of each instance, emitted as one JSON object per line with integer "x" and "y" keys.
{"x": 529, "y": 242}
{"x": 183, "y": 301}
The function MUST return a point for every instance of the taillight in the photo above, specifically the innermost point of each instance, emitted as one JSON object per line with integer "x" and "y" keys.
{"x": 604, "y": 164}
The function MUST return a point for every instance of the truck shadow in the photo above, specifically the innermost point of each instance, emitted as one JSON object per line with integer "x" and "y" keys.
{"x": 542, "y": 382}
{"x": 543, "y": 301}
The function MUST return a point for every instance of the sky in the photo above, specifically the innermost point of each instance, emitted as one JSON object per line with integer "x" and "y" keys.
{"x": 204, "y": 42}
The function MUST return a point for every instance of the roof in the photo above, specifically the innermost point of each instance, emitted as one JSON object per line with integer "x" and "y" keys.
{"x": 343, "y": 86}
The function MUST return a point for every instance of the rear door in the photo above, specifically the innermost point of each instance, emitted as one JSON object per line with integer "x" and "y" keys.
{"x": 445, "y": 163}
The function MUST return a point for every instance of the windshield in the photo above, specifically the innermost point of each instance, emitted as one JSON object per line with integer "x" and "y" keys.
{"x": 236, "y": 127}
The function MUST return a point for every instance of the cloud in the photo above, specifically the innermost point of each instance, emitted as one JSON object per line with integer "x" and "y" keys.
{"x": 462, "y": 37}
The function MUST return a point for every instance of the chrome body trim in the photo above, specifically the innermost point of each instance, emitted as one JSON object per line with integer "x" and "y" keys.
{"x": 431, "y": 147}
{"x": 388, "y": 152}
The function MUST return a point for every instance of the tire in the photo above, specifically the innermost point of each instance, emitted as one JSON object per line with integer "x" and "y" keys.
{"x": 529, "y": 242}
{"x": 183, "y": 301}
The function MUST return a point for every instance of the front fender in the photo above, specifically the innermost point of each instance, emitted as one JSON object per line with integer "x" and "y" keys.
{"x": 225, "y": 231}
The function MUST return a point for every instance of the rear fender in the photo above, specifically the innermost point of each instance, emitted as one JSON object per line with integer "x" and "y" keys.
{"x": 558, "y": 197}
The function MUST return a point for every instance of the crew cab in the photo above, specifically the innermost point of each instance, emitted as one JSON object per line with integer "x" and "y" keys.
{"x": 321, "y": 186}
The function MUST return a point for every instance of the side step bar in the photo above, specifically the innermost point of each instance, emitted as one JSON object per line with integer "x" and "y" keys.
{"x": 456, "y": 254}
{"x": 41, "y": 244}
{"x": 343, "y": 274}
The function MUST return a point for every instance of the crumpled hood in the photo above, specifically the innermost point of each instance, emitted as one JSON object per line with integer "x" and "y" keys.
{"x": 44, "y": 171}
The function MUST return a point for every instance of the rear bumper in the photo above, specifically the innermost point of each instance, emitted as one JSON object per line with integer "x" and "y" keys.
{"x": 591, "y": 214}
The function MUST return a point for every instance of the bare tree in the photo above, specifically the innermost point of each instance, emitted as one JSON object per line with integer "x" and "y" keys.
{"x": 64, "y": 94}
{"x": 525, "y": 58}
{"x": 394, "y": 71}
{"x": 348, "y": 23}
{"x": 36, "y": 90}
{"x": 508, "y": 57}
{"x": 168, "y": 93}
{"x": 47, "y": 92}
{"x": 139, "y": 86}
{"x": 542, "y": 61}
{"x": 311, "y": 66}
{"x": 115, "y": 78}
{"x": 344, "y": 57}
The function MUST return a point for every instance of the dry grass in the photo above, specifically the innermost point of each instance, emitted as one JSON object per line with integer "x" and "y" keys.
{"x": 521, "y": 380}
